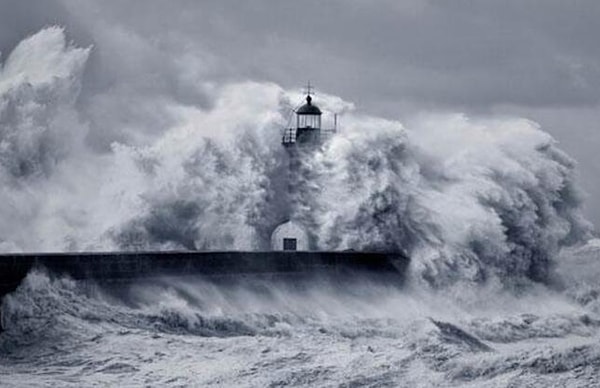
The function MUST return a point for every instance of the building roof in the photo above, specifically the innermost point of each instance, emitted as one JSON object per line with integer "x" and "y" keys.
{"x": 308, "y": 108}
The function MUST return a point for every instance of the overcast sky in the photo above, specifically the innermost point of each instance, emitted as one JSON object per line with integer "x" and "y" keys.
{"x": 397, "y": 59}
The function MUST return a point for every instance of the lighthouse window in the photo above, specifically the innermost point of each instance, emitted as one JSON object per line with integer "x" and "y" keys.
{"x": 309, "y": 121}
{"x": 289, "y": 244}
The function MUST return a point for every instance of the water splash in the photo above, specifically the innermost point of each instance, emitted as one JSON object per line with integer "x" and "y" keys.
{"x": 469, "y": 199}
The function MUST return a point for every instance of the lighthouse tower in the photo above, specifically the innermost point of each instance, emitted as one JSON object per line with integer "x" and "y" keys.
{"x": 299, "y": 142}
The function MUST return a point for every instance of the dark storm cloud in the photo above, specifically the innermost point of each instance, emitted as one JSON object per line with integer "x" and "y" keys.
{"x": 393, "y": 58}
{"x": 459, "y": 53}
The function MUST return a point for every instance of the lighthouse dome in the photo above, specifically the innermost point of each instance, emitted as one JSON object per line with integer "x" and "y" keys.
{"x": 308, "y": 108}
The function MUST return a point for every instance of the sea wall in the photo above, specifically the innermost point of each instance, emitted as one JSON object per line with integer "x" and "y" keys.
{"x": 123, "y": 266}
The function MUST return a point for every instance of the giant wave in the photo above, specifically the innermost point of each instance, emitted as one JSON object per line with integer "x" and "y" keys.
{"x": 502, "y": 288}
{"x": 468, "y": 199}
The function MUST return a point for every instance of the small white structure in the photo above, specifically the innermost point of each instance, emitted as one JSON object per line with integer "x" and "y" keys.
{"x": 289, "y": 236}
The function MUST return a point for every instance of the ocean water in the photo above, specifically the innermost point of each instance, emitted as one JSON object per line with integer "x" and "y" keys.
{"x": 501, "y": 291}
{"x": 194, "y": 333}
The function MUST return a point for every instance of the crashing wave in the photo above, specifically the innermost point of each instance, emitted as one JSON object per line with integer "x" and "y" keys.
{"x": 468, "y": 199}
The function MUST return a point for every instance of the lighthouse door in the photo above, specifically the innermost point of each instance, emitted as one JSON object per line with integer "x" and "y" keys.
{"x": 289, "y": 244}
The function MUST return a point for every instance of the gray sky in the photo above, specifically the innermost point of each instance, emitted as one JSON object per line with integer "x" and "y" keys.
{"x": 537, "y": 59}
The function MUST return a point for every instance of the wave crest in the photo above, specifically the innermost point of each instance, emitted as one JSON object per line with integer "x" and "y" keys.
{"x": 468, "y": 199}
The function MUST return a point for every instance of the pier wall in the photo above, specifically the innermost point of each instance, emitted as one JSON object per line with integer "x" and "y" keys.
{"x": 125, "y": 266}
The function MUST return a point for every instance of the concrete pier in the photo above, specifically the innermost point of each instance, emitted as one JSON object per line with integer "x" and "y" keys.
{"x": 129, "y": 266}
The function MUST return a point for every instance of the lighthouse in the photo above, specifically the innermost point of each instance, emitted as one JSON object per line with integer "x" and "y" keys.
{"x": 299, "y": 141}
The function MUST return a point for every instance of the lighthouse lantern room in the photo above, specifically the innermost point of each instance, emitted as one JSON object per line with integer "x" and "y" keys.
{"x": 308, "y": 125}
